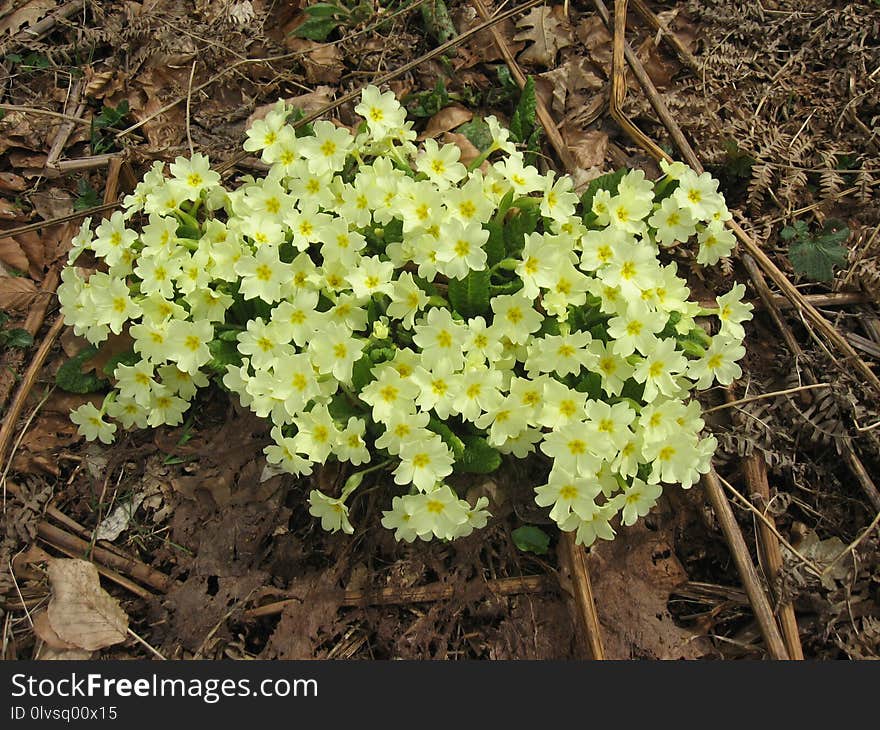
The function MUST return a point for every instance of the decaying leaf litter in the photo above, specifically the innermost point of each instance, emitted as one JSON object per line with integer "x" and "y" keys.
{"x": 202, "y": 557}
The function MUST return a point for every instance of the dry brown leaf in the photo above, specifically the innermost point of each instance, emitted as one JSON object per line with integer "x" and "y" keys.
{"x": 81, "y": 612}
{"x": 12, "y": 254}
{"x": 659, "y": 69}
{"x": 44, "y": 631}
{"x": 469, "y": 152}
{"x": 587, "y": 147}
{"x": 322, "y": 61}
{"x": 16, "y": 293}
{"x": 48, "y": 654}
{"x": 446, "y": 120}
{"x": 53, "y": 203}
{"x": 12, "y": 182}
{"x": 26, "y": 15}
{"x": 111, "y": 347}
{"x": 591, "y": 31}
{"x": 633, "y": 577}
{"x": 564, "y": 82}
{"x": 307, "y": 103}
{"x": 548, "y": 30}
{"x": 101, "y": 84}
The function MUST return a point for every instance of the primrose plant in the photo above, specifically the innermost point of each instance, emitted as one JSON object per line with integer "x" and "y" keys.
{"x": 386, "y": 305}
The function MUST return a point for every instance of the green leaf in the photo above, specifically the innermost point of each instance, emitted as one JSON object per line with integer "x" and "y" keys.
{"x": 522, "y": 123}
{"x": 470, "y": 296}
{"x": 435, "y": 16}
{"x": 361, "y": 373}
{"x": 478, "y": 457}
{"x": 316, "y": 28}
{"x": 816, "y": 256}
{"x": 341, "y": 408}
{"x": 591, "y": 384}
{"x": 428, "y": 103}
{"x": 325, "y": 10}
{"x": 87, "y": 196}
{"x": 123, "y": 358}
{"x": 495, "y": 248}
{"x": 477, "y": 132}
{"x": 455, "y": 444}
{"x": 71, "y": 378}
{"x": 517, "y": 226}
{"x": 531, "y": 539}
{"x": 17, "y": 338}
{"x": 223, "y": 353}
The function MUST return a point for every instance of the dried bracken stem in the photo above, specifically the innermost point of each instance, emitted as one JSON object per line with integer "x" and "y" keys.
{"x": 44, "y": 112}
{"x": 83, "y": 163}
{"x": 583, "y": 595}
{"x": 847, "y": 448}
{"x": 620, "y": 52}
{"x": 75, "y": 216}
{"x": 541, "y": 112}
{"x": 10, "y": 418}
{"x": 668, "y": 35}
{"x": 746, "y": 568}
{"x": 755, "y": 472}
{"x": 66, "y": 129}
{"x": 763, "y": 396}
{"x": 422, "y": 594}
{"x": 72, "y": 545}
{"x": 39, "y": 30}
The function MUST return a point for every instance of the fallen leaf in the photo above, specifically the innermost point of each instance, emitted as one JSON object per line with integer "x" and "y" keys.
{"x": 445, "y": 120}
{"x": 16, "y": 293}
{"x": 591, "y": 31}
{"x": 322, "y": 61}
{"x": 32, "y": 245}
{"x": 12, "y": 254}
{"x": 9, "y": 211}
{"x": 548, "y": 30}
{"x": 44, "y": 631}
{"x": 633, "y": 576}
{"x": 100, "y": 84}
{"x": 48, "y": 654}
{"x": 659, "y": 69}
{"x": 113, "y": 346}
{"x": 307, "y": 103}
{"x": 12, "y": 182}
{"x": 53, "y": 203}
{"x": 563, "y": 82}
{"x": 81, "y": 612}
{"x": 587, "y": 147}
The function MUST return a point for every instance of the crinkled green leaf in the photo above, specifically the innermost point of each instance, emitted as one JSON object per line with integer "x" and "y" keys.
{"x": 522, "y": 123}
{"x": 123, "y": 358}
{"x": 361, "y": 373}
{"x": 531, "y": 539}
{"x": 316, "y": 28}
{"x": 816, "y": 256}
{"x": 223, "y": 354}
{"x": 470, "y": 296}
{"x": 478, "y": 457}
{"x": 477, "y": 132}
{"x": 455, "y": 444}
{"x": 16, "y": 338}
{"x": 70, "y": 376}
